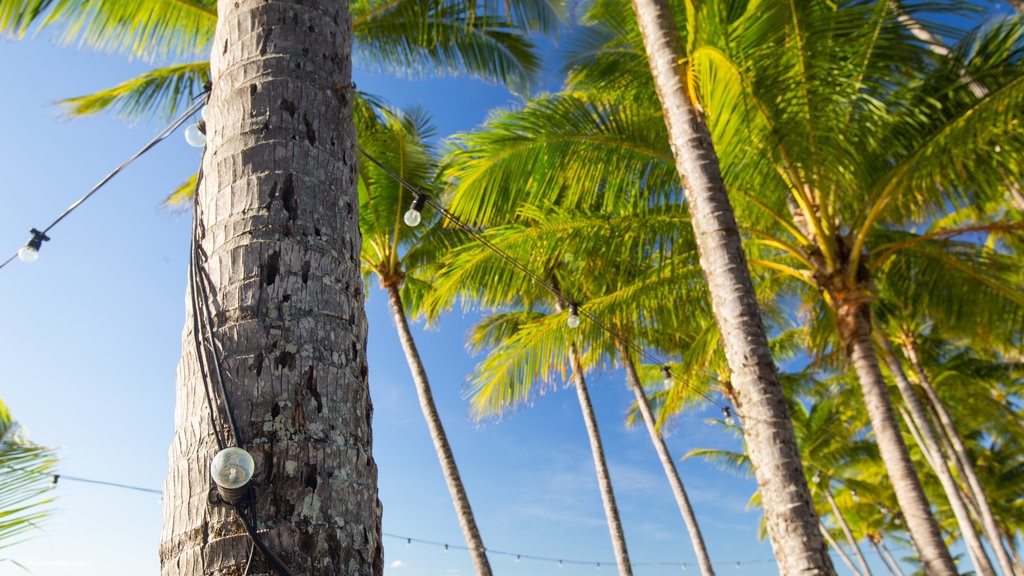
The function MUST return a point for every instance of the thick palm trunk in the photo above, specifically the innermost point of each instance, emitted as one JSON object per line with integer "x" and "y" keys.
{"x": 929, "y": 444}
{"x": 689, "y": 518}
{"x": 444, "y": 450}
{"x": 964, "y": 465}
{"x": 771, "y": 443}
{"x": 855, "y": 330}
{"x": 845, "y": 527}
{"x": 275, "y": 332}
{"x": 604, "y": 479}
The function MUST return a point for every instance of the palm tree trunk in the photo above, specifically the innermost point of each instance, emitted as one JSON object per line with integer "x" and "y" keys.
{"x": 689, "y": 518}
{"x": 835, "y": 546}
{"x": 963, "y": 459}
{"x": 883, "y": 553}
{"x": 854, "y": 324}
{"x": 274, "y": 346}
{"x": 841, "y": 520}
{"x": 790, "y": 518}
{"x": 604, "y": 481}
{"x": 929, "y": 444}
{"x": 444, "y": 450}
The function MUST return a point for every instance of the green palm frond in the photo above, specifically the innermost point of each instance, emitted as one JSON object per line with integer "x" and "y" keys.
{"x": 545, "y": 154}
{"x": 530, "y": 351}
{"x": 931, "y": 276}
{"x": 147, "y": 29}
{"x": 159, "y": 92}
{"x": 417, "y": 37}
{"x": 25, "y": 473}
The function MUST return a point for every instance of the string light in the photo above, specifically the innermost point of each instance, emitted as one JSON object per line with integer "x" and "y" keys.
{"x": 727, "y": 415}
{"x": 30, "y": 251}
{"x": 414, "y": 214}
{"x": 561, "y": 562}
{"x": 573, "y": 319}
{"x": 559, "y": 296}
{"x": 669, "y": 381}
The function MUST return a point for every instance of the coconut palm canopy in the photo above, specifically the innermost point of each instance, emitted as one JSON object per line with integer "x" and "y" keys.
{"x": 780, "y": 254}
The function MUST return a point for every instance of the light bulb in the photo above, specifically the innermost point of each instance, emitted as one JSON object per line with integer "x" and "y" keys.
{"x": 231, "y": 470}
{"x": 232, "y": 467}
{"x": 518, "y": 558}
{"x": 573, "y": 320}
{"x": 30, "y": 251}
{"x": 668, "y": 377}
{"x": 195, "y": 135}
{"x": 560, "y": 565}
{"x": 412, "y": 218}
{"x": 727, "y": 414}
{"x": 28, "y": 254}
{"x": 854, "y": 495}
{"x": 445, "y": 548}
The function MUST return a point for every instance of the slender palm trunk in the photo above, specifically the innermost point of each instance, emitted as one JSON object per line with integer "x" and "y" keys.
{"x": 929, "y": 444}
{"x": 444, "y": 450}
{"x": 273, "y": 354}
{"x": 835, "y": 546}
{"x": 883, "y": 553}
{"x": 689, "y": 518}
{"x": 854, "y": 324}
{"x": 771, "y": 443}
{"x": 963, "y": 461}
{"x": 604, "y": 480}
{"x": 841, "y": 520}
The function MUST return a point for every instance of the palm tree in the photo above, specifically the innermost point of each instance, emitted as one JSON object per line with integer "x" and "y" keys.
{"x": 396, "y": 254}
{"x": 275, "y": 323}
{"x": 25, "y": 473}
{"x": 791, "y": 520}
{"x": 752, "y": 131}
{"x": 792, "y": 523}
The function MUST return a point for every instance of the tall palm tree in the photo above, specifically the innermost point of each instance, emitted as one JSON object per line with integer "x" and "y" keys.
{"x": 396, "y": 254}
{"x": 273, "y": 353}
{"x": 791, "y": 519}
{"x": 793, "y": 524}
{"x": 766, "y": 136}
{"x": 25, "y": 473}
{"x": 613, "y": 283}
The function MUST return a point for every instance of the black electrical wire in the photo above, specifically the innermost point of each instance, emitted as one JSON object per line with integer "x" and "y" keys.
{"x": 559, "y": 295}
{"x": 196, "y": 105}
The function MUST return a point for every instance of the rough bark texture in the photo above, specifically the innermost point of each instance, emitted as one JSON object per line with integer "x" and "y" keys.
{"x": 854, "y": 325}
{"x": 280, "y": 292}
{"x": 771, "y": 443}
{"x": 444, "y": 450}
{"x": 963, "y": 463}
{"x": 689, "y": 518}
{"x": 604, "y": 480}
{"x": 929, "y": 444}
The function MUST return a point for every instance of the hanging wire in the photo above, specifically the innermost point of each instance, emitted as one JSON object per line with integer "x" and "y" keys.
{"x": 477, "y": 236}
{"x": 192, "y": 109}
{"x": 560, "y": 561}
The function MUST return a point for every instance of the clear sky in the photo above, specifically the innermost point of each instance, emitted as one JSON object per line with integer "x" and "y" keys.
{"x": 91, "y": 336}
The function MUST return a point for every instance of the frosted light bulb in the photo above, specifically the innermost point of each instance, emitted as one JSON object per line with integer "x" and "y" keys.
{"x": 573, "y": 320}
{"x": 28, "y": 254}
{"x": 195, "y": 136}
{"x": 30, "y": 251}
{"x": 412, "y": 217}
{"x": 854, "y": 495}
{"x": 669, "y": 382}
{"x": 232, "y": 468}
{"x": 727, "y": 414}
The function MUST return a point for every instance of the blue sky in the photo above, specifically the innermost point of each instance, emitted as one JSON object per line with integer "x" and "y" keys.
{"x": 91, "y": 336}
